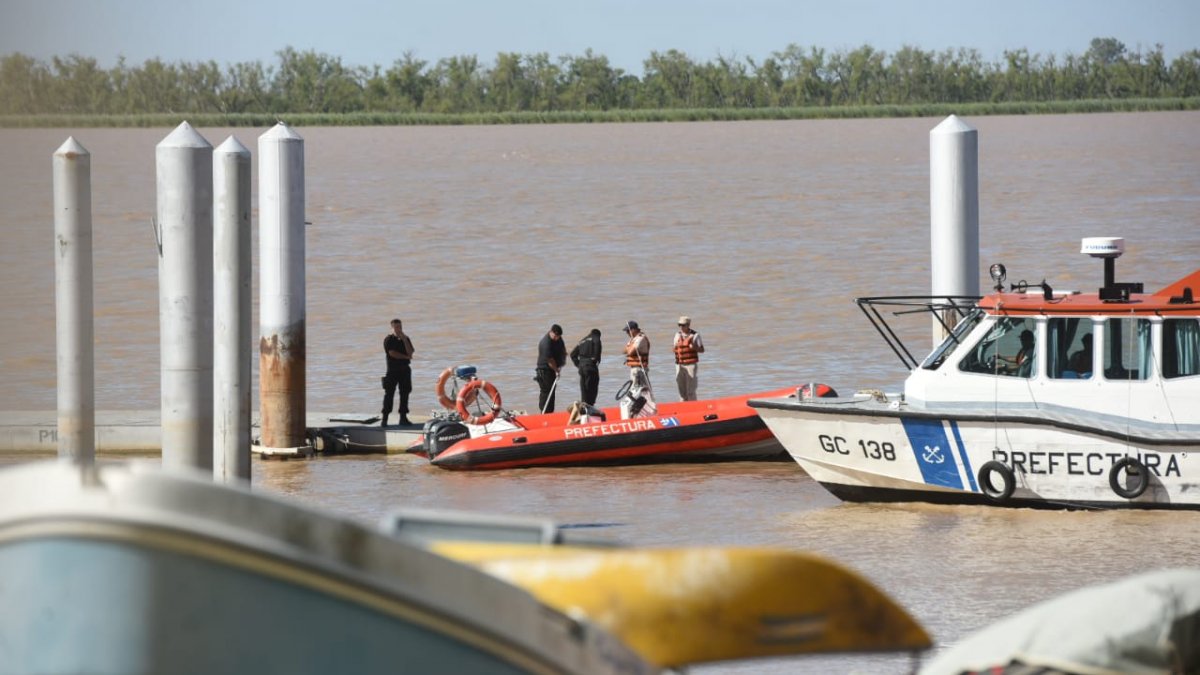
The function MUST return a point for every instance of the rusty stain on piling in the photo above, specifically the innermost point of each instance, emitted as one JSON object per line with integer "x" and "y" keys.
{"x": 281, "y": 367}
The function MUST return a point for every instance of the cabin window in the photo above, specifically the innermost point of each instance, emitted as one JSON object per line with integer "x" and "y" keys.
{"x": 1008, "y": 349}
{"x": 953, "y": 340}
{"x": 1069, "y": 354}
{"x": 1181, "y": 348}
{"x": 1127, "y": 351}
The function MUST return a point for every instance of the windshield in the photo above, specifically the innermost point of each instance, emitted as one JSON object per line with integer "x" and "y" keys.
{"x": 953, "y": 340}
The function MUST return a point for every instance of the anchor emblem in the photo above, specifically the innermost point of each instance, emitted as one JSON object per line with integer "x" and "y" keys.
{"x": 933, "y": 455}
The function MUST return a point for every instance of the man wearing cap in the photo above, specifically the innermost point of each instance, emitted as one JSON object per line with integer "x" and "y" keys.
{"x": 552, "y": 353}
{"x": 637, "y": 352}
{"x": 688, "y": 348}
{"x": 586, "y": 357}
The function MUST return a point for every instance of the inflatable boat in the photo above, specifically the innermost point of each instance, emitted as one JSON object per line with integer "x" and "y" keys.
{"x": 706, "y": 430}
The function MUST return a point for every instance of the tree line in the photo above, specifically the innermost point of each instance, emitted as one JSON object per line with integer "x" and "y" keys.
{"x": 796, "y": 77}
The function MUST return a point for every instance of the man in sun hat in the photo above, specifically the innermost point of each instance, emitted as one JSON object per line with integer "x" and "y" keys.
{"x": 688, "y": 347}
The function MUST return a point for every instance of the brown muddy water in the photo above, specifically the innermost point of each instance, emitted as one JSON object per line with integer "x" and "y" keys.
{"x": 763, "y": 232}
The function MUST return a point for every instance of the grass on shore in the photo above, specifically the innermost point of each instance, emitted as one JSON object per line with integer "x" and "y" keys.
{"x": 600, "y": 116}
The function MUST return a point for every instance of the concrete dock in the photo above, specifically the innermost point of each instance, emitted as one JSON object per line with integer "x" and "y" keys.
{"x": 137, "y": 432}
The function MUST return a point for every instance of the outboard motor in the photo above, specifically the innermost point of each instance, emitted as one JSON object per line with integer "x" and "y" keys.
{"x": 443, "y": 435}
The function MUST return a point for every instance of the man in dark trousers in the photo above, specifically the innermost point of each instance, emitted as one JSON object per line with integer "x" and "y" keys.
{"x": 552, "y": 354}
{"x": 399, "y": 350}
{"x": 586, "y": 357}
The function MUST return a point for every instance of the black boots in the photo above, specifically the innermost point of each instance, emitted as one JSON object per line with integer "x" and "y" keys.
{"x": 384, "y": 422}
{"x": 404, "y": 420}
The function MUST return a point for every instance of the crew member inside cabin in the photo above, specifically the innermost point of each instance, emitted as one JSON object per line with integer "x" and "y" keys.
{"x": 637, "y": 352}
{"x": 398, "y": 349}
{"x": 1021, "y": 363}
{"x": 586, "y": 357}
{"x": 1081, "y": 361}
{"x": 552, "y": 354}
{"x": 688, "y": 348}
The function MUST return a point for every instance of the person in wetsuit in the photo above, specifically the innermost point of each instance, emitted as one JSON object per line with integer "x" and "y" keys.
{"x": 586, "y": 357}
{"x": 398, "y": 349}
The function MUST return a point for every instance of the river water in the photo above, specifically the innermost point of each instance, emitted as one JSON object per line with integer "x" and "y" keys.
{"x": 763, "y": 232}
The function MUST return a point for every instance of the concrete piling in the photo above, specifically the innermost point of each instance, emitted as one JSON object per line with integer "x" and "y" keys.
{"x": 281, "y": 306}
{"x": 73, "y": 302}
{"x": 231, "y": 312}
{"x": 184, "y": 162}
{"x": 954, "y": 213}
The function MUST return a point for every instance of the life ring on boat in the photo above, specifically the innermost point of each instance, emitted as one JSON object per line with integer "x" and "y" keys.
{"x": 1132, "y": 467}
{"x": 468, "y": 395}
{"x": 444, "y": 400}
{"x": 822, "y": 391}
{"x": 989, "y": 489}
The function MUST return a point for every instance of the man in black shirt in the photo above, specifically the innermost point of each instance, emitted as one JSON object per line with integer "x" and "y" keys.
{"x": 586, "y": 357}
{"x": 552, "y": 353}
{"x": 399, "y": 350}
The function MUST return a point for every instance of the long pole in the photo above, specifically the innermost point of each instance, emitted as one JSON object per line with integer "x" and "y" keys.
{"x": 954, "y": 214}
{"x": 281, "y": 305}
{"x": 231, "y": 312}
{"x": 185, "y": 282}
{"x": 73, "y": 302}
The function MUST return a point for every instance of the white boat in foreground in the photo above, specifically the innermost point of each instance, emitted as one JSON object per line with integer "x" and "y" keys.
{"x": 127, "y": 568}
{"x": 1037, "y": 398}
{"x": 1147, "y": 623}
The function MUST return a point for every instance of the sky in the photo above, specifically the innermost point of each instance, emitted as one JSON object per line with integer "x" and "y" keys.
{"x": 368, "y": 33}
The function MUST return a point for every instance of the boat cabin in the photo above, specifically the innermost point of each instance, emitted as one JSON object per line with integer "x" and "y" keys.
{"x": 1118, "y": 351}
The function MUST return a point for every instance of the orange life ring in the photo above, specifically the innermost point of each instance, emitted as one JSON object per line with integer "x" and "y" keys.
{"x": 468, "y": 394}
{"x": 445, "y": 401}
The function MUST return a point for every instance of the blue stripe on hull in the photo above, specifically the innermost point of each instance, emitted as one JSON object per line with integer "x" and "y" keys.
{"x": 962, "y": 454}
{"x": 933, "y": 452}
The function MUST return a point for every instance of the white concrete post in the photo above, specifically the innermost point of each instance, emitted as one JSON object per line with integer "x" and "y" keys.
{"x": 281, "y": 302}
{"x": 231, "y": 312}
{"x": 73, "y": 302}
{"x": 954, "y": 213}
{"x": 185, "y": 287}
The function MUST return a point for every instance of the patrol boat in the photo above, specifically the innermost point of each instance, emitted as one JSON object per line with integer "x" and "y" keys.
{"x": 1037, "y": 398}
{"x": 636, "y": 431}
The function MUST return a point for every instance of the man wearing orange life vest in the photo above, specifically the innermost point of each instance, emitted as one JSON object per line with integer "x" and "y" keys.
{"x": 637, "y": 352}
{"x": 688, "y": 347}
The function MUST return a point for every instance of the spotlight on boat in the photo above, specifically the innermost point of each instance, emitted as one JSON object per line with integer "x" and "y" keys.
{"x": 1109, "y": 249}
{"x": 998, "y": 274}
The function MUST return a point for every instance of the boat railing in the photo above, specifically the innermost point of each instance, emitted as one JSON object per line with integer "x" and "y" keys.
{"x": 941, "y": 307}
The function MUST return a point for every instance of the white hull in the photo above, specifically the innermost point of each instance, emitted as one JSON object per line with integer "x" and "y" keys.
{"x": 866, "y": 451}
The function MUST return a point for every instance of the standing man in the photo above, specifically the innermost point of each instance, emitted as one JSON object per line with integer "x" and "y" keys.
{"x": 637, "y": 354}
{"x": 399, "y": 351}
{"x": 552, "y": 354}
{"x": 586, "y": 357}
{"x": 688, "y": 348}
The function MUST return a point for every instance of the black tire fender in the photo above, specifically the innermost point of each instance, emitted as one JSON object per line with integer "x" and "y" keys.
{"x": 1132, "y": 467}
{"x": 989, "y": 489}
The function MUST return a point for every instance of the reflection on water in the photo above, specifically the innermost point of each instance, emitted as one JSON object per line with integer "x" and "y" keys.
{"x": 763, "y": 232}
